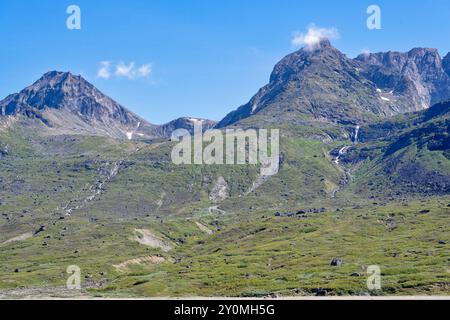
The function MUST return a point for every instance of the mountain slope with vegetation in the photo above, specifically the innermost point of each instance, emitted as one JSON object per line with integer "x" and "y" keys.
{"x": 82, "y": 184}
{"x": 405, "y": 156}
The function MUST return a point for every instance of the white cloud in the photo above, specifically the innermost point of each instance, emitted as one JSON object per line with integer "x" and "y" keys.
{"x": 145, "y": 70}
{"x": 123, "y": 70}
{"x": 314, "y": 36}
{"x": 104, "y": 72}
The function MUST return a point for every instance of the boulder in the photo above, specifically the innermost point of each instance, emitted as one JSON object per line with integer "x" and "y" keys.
{"x": 337, "y": 262}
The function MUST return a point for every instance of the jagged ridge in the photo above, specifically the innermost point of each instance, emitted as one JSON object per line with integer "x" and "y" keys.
{"x": 322, "y": 84}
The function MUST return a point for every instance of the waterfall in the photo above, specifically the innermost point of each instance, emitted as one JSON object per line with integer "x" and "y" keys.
{"x": 344, "y": 150}
{"x": 355, "y": 138}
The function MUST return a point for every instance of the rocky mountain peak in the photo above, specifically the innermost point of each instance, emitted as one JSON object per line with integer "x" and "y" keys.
{"x": 295, "y": 63}
{"x": 71, "y": 104}
{"x": 63, "y": 83}
{"x": 323, "y": 45}
{"x": 321, "y": 83}
{"x": 55, "y": 90}
{"x": 55, "y": 78}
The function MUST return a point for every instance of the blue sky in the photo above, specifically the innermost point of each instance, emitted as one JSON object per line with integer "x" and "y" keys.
{"x": 207, "y": 57}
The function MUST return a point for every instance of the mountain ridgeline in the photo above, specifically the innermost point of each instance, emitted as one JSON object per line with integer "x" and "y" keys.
{"x": 322, "y": 84}
{"x": 317, "y": 83}
{"x": 63, "y": 103}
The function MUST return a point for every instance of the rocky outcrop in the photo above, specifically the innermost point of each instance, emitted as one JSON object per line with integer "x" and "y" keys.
{"x": 220, "y": 190}
{"x": 337, "y": 262}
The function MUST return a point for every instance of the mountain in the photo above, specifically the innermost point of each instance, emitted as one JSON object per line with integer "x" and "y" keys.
{"x": 138, "y": 224}
{"x": 417, "y": 78}
{"x": 322, "y": 84}
{"x": 63, "y": 103}
{"x": 187, "y": 123}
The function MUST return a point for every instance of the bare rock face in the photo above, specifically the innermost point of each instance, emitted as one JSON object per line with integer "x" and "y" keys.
{"x": 322, "y": 84}
{"x": 417, "y": 78}
{"x": 220, "y": 191}
{"x": 67, "y": 103}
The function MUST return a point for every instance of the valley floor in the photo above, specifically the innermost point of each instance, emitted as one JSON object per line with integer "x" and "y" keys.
{"x": 251, "y": 254}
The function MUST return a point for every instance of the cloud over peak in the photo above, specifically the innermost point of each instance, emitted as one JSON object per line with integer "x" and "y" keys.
{"x": 314, "y": 36}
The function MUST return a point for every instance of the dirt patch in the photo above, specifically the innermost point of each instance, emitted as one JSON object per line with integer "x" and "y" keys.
{"x": 147, "y": 238}
{"x": 204, "y": 228}
{"x": 22, "y": 237}
{"x": 139, "y": 261}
